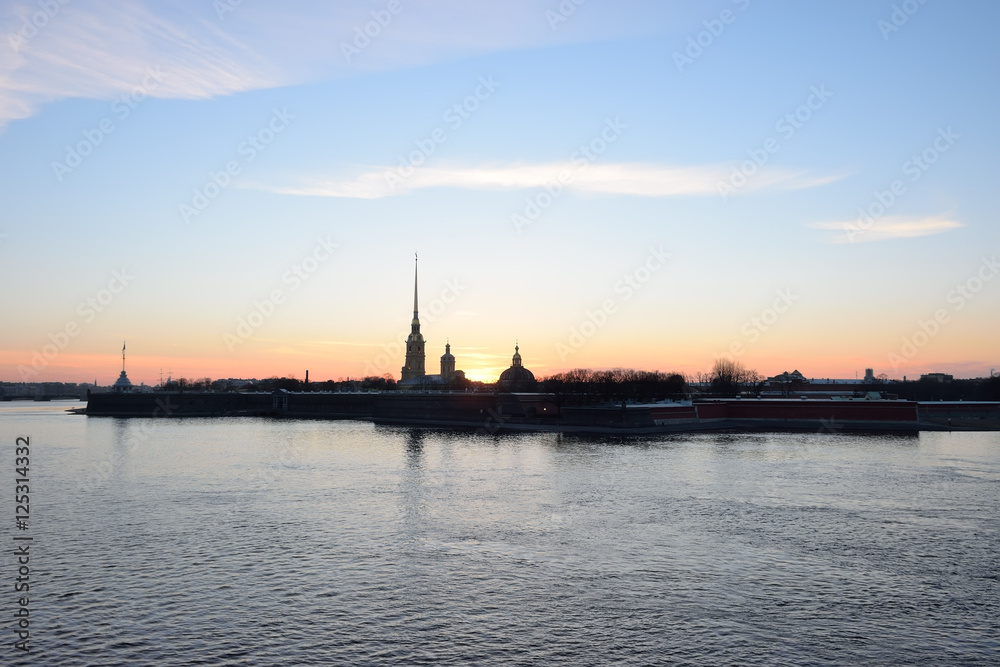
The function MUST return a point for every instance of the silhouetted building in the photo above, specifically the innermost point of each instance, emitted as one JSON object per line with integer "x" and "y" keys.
{"x": 517, "y": 377}
{"x": 795, "y": 377}
{"x": 415, "y": 354}
{"x": 937, "y": 377}
{"x": 414, "y": 375}
{"x": 122, "y": 384}
{"x": 447, "y": 363}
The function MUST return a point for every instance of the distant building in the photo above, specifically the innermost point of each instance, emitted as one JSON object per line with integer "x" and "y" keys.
{"x": 415, "y": 355}
{"x": 122, "y": 384}
{"x": 936, "y": 377}
{"x": 517, "y": 377}
{"x": 414, "y": 374}
{"x": 448, "y": 363}
{"x": 795, "y": 377}
{"x": 869, "y": 376}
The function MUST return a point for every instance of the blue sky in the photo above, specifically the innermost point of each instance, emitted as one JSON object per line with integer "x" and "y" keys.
{"x": 833, "y": 100}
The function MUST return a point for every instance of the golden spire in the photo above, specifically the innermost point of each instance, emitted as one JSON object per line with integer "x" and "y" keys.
{"x": 414, "y": 286}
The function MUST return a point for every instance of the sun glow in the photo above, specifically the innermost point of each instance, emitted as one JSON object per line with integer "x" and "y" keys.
{"x": 483, "y": 374}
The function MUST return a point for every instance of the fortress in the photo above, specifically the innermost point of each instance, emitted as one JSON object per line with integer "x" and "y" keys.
{"x": 515, "y": 405}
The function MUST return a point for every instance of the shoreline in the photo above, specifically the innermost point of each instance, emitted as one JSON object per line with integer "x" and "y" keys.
{"x": 498, "y": 412}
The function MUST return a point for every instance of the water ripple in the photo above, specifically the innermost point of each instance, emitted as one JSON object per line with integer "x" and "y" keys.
{"x": 375, "y": 545}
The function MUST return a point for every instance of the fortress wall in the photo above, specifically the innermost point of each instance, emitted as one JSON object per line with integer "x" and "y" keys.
{"x": 527, "y": 411}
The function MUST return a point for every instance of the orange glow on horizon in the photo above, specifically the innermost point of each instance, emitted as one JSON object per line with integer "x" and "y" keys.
{"x": 487, "y": 375}
{"x": 271, "y": 358}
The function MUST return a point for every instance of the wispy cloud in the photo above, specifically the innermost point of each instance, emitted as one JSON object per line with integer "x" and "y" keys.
{"x": 636, "y": 179}
{"x": 887, "y": 228}
{"x": 100, "y": 49}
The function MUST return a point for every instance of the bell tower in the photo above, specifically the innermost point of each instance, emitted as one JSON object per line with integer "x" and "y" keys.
{"x": 447, "y": 363}
{"x": 415, "y": 355}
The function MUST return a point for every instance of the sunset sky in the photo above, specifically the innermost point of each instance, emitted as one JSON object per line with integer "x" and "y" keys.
{"x": 237, "y": 189}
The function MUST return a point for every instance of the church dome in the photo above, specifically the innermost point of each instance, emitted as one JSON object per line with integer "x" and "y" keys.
{"x": 517, "y": 377}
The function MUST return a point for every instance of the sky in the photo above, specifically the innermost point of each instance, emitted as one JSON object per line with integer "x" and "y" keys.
{"x": 238, "y": 188}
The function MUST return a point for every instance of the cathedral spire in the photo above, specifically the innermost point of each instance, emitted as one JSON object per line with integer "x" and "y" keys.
{"x": 415, "y": 353}
{"x": 414, "y": 286}
{"x": 415, "y": 323}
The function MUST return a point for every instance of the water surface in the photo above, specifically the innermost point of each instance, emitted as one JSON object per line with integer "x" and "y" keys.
{"x": 246, "y": 541}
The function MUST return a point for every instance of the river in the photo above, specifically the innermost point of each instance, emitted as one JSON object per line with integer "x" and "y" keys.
{"x": 245, "y": 541}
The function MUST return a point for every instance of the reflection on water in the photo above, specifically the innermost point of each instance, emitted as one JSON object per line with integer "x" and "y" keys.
{"x": 414, "y": 447}
{"x": 255, "y": 541}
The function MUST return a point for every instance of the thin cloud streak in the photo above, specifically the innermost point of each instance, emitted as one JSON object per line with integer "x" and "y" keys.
{"x": 100, "y": 49}
{"x": 887, "y": 228}
{"x": 635, "y": 179}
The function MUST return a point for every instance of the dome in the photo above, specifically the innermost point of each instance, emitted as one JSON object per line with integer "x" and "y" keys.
{"x": 517, "y": 377}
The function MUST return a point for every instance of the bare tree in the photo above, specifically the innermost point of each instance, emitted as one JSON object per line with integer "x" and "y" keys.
{"x": 729, "y": 377}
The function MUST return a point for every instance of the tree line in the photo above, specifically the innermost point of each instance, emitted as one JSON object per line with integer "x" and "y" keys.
{"x": 726, "y": 379}
{"x": 584, "y": 385}
{"x": 729, "y": 378}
